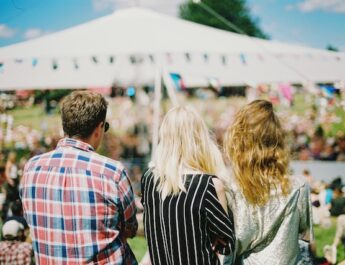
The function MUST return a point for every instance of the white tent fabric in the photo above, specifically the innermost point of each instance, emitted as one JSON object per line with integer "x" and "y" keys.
{"x": 141, "y": 40}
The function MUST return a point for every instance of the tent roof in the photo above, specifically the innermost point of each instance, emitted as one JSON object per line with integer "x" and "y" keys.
{"x": 138, "y": 30}
{"x": 141, "y": 32}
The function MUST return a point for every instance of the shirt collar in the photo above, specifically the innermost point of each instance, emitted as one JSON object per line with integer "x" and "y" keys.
{"x": 69, "y": 142}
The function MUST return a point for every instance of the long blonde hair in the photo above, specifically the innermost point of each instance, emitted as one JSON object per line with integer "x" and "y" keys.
{"x": 184, "y": 143}
{"x": 255, "y": 145}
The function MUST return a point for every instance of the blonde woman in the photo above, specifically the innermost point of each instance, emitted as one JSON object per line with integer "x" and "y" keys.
{"x": 271, "y": 209}
{"x": 185, "y": 213}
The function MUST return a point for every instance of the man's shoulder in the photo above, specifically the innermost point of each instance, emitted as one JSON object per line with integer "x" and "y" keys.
{"x": 110, "y": 165}
{"x": 39, "y": 158}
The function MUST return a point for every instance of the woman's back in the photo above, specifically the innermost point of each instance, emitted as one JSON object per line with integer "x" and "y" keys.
{"x": 269, "y": 234}
{"x": 181, "y": 229}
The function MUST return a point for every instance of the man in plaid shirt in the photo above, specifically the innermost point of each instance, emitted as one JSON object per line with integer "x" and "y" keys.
{"x": 79, "y": 205}
{"x": 13, "y": 249}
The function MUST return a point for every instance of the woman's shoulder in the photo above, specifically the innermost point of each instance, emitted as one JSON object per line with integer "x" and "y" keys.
{"x": 148, "y": 174}
{"x": 204, "y": 180}
{"x": 298, "y": 182}
{"x": 217, "y": 183}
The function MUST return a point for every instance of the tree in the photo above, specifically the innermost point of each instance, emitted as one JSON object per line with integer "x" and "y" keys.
{"x": 235, "y": 11}
{"x": 332, "y": 48}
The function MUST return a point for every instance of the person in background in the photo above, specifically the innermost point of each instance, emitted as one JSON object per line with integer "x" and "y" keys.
{"x": 337, "y": 203}
{"x": 186, "y": 219}
{"x": 11, "y": 170}
{"x": 11, "y": 188}
{"x": 17, "y": 213}
{"x": 272, "y": 210}
{"x": 79, "y": 205}
{"x": 325, "y": 195}
{"x": 308, "y": 177}
{"x": 339, "y": 236}
{"x": 13, "y": 248}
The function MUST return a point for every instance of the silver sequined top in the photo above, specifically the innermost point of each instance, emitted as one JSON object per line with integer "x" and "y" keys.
{"x": 269, "y": 235}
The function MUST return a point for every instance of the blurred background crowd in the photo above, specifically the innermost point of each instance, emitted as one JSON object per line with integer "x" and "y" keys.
{"x": 314, "y": 124}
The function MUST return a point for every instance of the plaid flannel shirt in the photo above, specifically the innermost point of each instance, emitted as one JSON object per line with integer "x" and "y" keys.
{"x": 15, "y": 253}
{"x": 79, "y": 206}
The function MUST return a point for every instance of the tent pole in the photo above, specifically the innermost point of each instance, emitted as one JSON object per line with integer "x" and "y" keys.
{"x": 156, "y": 108}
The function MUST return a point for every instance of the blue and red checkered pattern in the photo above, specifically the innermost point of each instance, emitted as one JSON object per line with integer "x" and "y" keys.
{"x": 15, "y": 253}
{"x": 79, "y": 206}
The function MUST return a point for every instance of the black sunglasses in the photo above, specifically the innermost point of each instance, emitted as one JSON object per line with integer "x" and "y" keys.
{"x": 106, "y": 126}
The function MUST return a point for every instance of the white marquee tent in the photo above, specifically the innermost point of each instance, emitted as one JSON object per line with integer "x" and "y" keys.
{"x": 128, "y": 46}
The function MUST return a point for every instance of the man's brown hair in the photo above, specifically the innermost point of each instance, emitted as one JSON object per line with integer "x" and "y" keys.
{"x": 82, "y": 112}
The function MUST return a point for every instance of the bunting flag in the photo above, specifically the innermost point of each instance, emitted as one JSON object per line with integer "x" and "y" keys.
{"x": 243, "y": 58}
{"x": 1, "y": 67}
{"x": 55, "y": 65}
{"x": 224, "y": 60}
{"x": 152, "y": 58}
{"x": 111, "y": 59}
{"x": 94, "y": 59}
{"x": 130, "y": 91}
{"x": 18, "y": 60}
{"x": 328, "y": 91}
{"x": 136, "y": 59}
{"x": 75, "y": 63}
{"x": 34, "y": 62}
{"x": 206, "y": 58}
{"x": 188, "y": 58}
{"x": 168, "y": 58}
{"x": 177, "y": 81}
{"x": 287, "y": 91}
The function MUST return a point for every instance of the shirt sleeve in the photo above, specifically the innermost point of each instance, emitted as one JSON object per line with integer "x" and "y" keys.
{"x": 220, "y": 224}
{"x": 305, "y": 208}
{"x": 142, "y": 182}
{"x": 128, "y": 205}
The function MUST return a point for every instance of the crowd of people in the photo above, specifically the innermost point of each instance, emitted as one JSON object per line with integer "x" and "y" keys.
{"x": 328, "y": 203}
{"x": 130, "y": 143}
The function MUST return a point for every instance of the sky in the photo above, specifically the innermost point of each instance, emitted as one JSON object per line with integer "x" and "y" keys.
{"x": 315, "y": 23}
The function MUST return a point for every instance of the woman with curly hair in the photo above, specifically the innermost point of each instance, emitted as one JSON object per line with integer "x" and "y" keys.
{"x": 271, "y": 209}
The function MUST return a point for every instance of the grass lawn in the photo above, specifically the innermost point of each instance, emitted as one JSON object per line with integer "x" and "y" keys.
{"x": 304, "y": 102}
{"x": 325, "y": 236}
{"x": 34, "y": 116}
{"x": 139, "y": 246}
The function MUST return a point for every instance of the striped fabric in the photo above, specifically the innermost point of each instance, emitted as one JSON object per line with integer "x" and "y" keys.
{"x": 182, "y": 229}
{"x": 79, "y": 206}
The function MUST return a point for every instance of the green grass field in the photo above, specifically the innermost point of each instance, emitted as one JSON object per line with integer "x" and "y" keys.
{"x": 33, "y": 117}
{"x": 323, "y": 236}
{"x": 139, "y": 246}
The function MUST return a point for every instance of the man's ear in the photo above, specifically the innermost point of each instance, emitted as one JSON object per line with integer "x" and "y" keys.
{"x": 98, "y": 129}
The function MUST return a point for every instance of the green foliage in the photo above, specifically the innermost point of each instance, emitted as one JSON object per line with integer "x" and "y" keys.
{"x": 332, "y": 48}
{"x": 234, "y": 11}
{"x": 56, "y": 94}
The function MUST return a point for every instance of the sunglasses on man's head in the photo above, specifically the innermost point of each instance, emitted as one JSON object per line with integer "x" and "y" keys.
{"x": 106, "y": 126}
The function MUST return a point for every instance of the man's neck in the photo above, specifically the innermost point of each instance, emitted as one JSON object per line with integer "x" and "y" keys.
{"x": 88, "y": 140}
